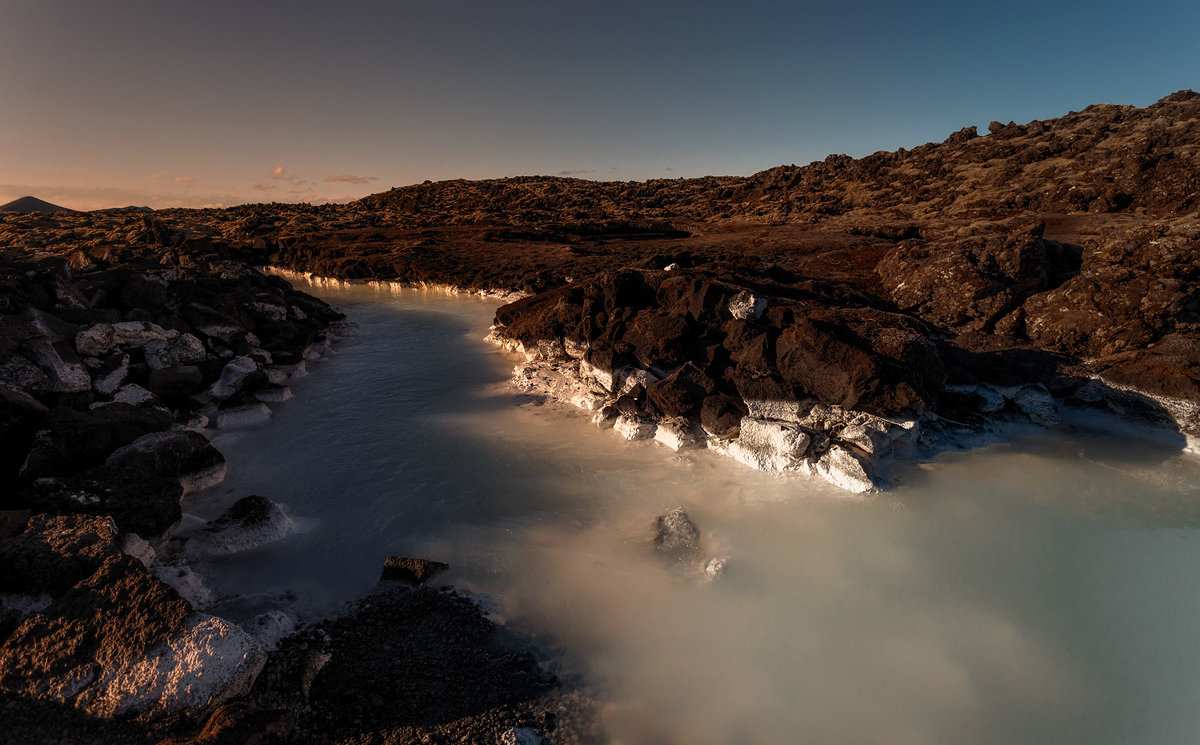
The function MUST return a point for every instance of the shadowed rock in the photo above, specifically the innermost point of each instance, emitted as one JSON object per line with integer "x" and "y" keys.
{"x": 410, "y": 571}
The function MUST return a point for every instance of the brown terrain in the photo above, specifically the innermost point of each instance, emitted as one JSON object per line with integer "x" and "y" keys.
{"x": 802, "y": 317}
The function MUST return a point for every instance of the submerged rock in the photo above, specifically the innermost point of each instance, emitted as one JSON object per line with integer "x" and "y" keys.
{"x": 251, "y": 522}
{"x": 676, "y": 535}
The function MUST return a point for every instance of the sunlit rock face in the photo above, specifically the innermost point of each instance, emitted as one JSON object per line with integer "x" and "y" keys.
{"x": 679, "y": 356}
{"x": 110, "y": 638}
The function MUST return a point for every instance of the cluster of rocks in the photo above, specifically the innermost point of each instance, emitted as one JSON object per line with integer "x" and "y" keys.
{"x": 112, "y": 379}
{"x": 781, "y": 372}
{"x": 111, "y": 376}
{"x": 111, "y": 373}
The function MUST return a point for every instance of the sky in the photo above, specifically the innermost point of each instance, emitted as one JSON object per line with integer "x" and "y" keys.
{"x": 170, "y": 103}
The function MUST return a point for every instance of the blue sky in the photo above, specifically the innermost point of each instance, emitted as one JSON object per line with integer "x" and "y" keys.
{"x": 188, "y": 103}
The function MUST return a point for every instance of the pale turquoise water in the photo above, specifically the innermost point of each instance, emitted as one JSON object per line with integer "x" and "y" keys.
{"x": 1042, "y": 592}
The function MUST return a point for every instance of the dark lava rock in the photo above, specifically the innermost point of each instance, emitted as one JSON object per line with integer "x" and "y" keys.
{"x": 861, "y": 359}
{"x": 171, "y": 454}
{"x": 247, "y": 512}
{"x": 138, "y": 500}
{"x": 174, "y": 385}
{"x": 55, "y": 552}
{"x": 409, "y": 571}
{"x": 721, "y": 414}
{"x": 682, "y": 393}
{"x": 108, "y": 619}
{"x": 72, "y": 441}
{"x": 20, "y": 419}
{"x": 438, "y": 669}
{"x": 969, "y": 283}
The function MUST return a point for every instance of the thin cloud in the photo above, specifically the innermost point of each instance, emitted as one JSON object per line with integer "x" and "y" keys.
{"x": 154, "y": 175}
{"x": 183, "y": 179}
{"x": 264, "y": 186}
{"x": 576, "y": 172}
{"x": 277, "y": 172}
{"x": 352, "y": 179}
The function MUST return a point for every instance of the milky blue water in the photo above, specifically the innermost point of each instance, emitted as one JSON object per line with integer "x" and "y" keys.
{"x": 1045, "y": 591}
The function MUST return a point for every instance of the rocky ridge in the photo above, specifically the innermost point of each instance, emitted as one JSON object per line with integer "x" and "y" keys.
{"x": 110, "y": 375}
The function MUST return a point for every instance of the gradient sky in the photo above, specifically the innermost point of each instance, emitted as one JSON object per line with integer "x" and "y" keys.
{"x": 168, "y": 103}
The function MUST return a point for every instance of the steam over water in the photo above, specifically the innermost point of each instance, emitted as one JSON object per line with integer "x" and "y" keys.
{"x": 1046, "y": 591}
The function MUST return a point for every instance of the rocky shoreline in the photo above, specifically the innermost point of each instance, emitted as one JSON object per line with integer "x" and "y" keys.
{"x": 828, "y": 319}
{"x": 114, "y": 377}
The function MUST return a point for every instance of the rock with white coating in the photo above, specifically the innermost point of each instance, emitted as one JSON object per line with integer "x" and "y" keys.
{"x": 847, "y": 470}
{"x": 251, "y": 522}
{"x": 95, "y": 340}
{"x": 633, "y": 427}
{"x": 871, "y": 435}
{"x": 1035, "y": 402}
{"x": 186, "y": 581}
{"x": 781, "y": 410}
{"x": 269, "y": 628}
{"x": 186, "y": 350}
{"x": 111, "y": 376}
{"x": 121, "y": 642}
{"x": 65, "y": 375}
{"x": 133, "y": 394}
{"x": 233, "y": 377}
{"x": 747, "y": 306}
{"x": 525, "y": 735}
{"x": 769, "y": 445}
{"x": 207, "y": 662}
{"x": 139, "y": 548}
{"x": 678, "y": 434}
{"x": 714, "y": 568}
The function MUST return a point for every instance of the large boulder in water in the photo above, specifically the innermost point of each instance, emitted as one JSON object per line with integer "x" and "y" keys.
{"x": 676, "y": 535}
{"x": 251, "y": 522}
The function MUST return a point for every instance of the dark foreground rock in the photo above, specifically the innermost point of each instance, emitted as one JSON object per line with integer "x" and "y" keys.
{"x": 403, "y": 665}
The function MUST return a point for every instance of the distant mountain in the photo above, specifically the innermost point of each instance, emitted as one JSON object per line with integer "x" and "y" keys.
{"x": 25, "y": 205}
